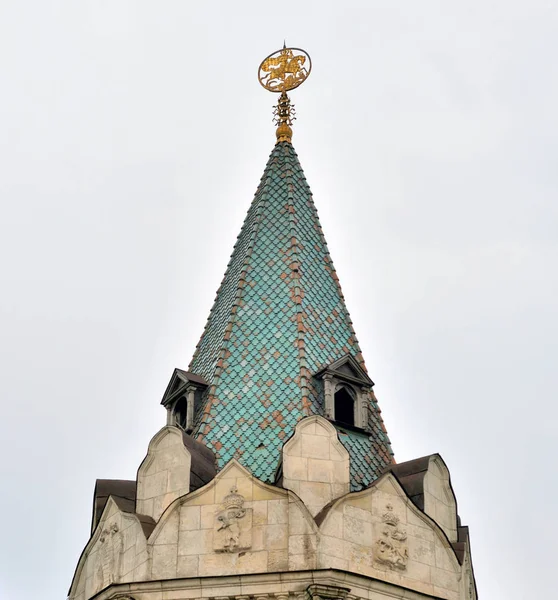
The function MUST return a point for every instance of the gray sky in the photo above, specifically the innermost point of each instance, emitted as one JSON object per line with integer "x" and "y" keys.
{"x": 134, "y": 134}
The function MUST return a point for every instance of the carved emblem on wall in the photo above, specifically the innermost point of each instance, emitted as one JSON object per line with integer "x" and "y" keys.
{"x": 109, "y": 556}
{"x": 391, "y": 547}
{"x": 233, "y": 524}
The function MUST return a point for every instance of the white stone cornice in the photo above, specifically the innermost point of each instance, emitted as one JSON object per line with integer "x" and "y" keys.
{"x": 296, "y": 585}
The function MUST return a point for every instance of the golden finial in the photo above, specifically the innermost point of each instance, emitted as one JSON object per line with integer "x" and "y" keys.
{"x": 281, "y": 71}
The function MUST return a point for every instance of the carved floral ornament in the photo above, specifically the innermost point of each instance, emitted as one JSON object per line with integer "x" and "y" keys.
{"x": 391, "y": 547}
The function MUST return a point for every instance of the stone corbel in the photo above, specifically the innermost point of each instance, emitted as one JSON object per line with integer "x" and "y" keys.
{"x": 326, "y": 592}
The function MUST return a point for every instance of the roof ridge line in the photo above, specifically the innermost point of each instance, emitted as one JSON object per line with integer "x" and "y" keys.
{"x": 238, "y": 296}
{"x": 296, "y": 288}
{"x": 373, "y": 404}
{"x": 220, "y": 288}
{"x": 359, "y": 356}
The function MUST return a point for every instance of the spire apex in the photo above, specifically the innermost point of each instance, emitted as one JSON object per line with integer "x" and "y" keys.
{"x": 283, "y": 116}
{"x": 281, "y": 71}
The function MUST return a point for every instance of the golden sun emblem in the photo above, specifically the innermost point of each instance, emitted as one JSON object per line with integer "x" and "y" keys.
{"x": 284, "y": 69}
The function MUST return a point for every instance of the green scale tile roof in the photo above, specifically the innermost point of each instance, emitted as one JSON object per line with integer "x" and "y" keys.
{"x": 279, "y": 317}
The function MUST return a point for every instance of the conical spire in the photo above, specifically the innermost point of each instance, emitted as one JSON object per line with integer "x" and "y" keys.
{"x": 278, "y": 319}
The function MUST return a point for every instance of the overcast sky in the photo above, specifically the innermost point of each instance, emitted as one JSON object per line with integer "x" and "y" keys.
{"x": 133, "y": 136}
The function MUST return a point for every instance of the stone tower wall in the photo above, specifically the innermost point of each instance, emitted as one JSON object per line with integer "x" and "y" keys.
{"x": 238, "y": 529}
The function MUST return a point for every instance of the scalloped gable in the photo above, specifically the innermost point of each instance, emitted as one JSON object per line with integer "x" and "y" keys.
{"x": 173, "y": 460}
{"x": 115, "y": 553}
{"x": 380, "y": 533}
{"x": 236, "y": 524}
{"x": 193, "y": 537}
{"x": 427, "y": 482}
{"x": 315, "y": 463}
{"x": 122, "y": 490}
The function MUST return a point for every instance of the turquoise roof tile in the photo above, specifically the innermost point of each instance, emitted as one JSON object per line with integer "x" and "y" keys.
{"x": 279, "y": 316}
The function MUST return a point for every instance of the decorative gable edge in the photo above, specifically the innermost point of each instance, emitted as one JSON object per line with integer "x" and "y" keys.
{"x": 427, "y": 482}
{"x": 359, "y": 376}
{"x": 111, "y": 509}
{"x": 469, "y": 582}
{"x": 234, "y": 471}
{"x": 389, "y": 479}
{"x": 314, "y": 464}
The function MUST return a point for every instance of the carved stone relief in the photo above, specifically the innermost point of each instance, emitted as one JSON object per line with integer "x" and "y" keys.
{"x": 391, "y": 548}
{"x": 233, "y": 524}
{"x": 109, "y": 556}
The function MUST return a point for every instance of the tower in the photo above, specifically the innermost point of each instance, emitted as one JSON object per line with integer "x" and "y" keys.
{"x": 274, "y": 476}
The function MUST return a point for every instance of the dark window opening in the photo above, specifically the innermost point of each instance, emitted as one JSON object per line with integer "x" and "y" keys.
{"x": 180, "y": 410}
{"x": 344, "y": 407}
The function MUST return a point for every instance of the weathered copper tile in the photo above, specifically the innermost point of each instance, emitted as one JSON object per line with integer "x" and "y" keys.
{"x": 279, "y": 316}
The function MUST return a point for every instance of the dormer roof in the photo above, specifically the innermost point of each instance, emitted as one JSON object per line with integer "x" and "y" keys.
{"x": 179, "y": 383}
{"x": 347, "y": 369}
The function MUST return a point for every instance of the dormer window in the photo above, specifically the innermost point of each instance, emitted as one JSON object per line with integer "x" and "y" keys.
{"x": 344, "y": 405}
{"x": 181, "y": 398}
{"x": 346, "y": 389}
{"x": 180, "y": 413}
